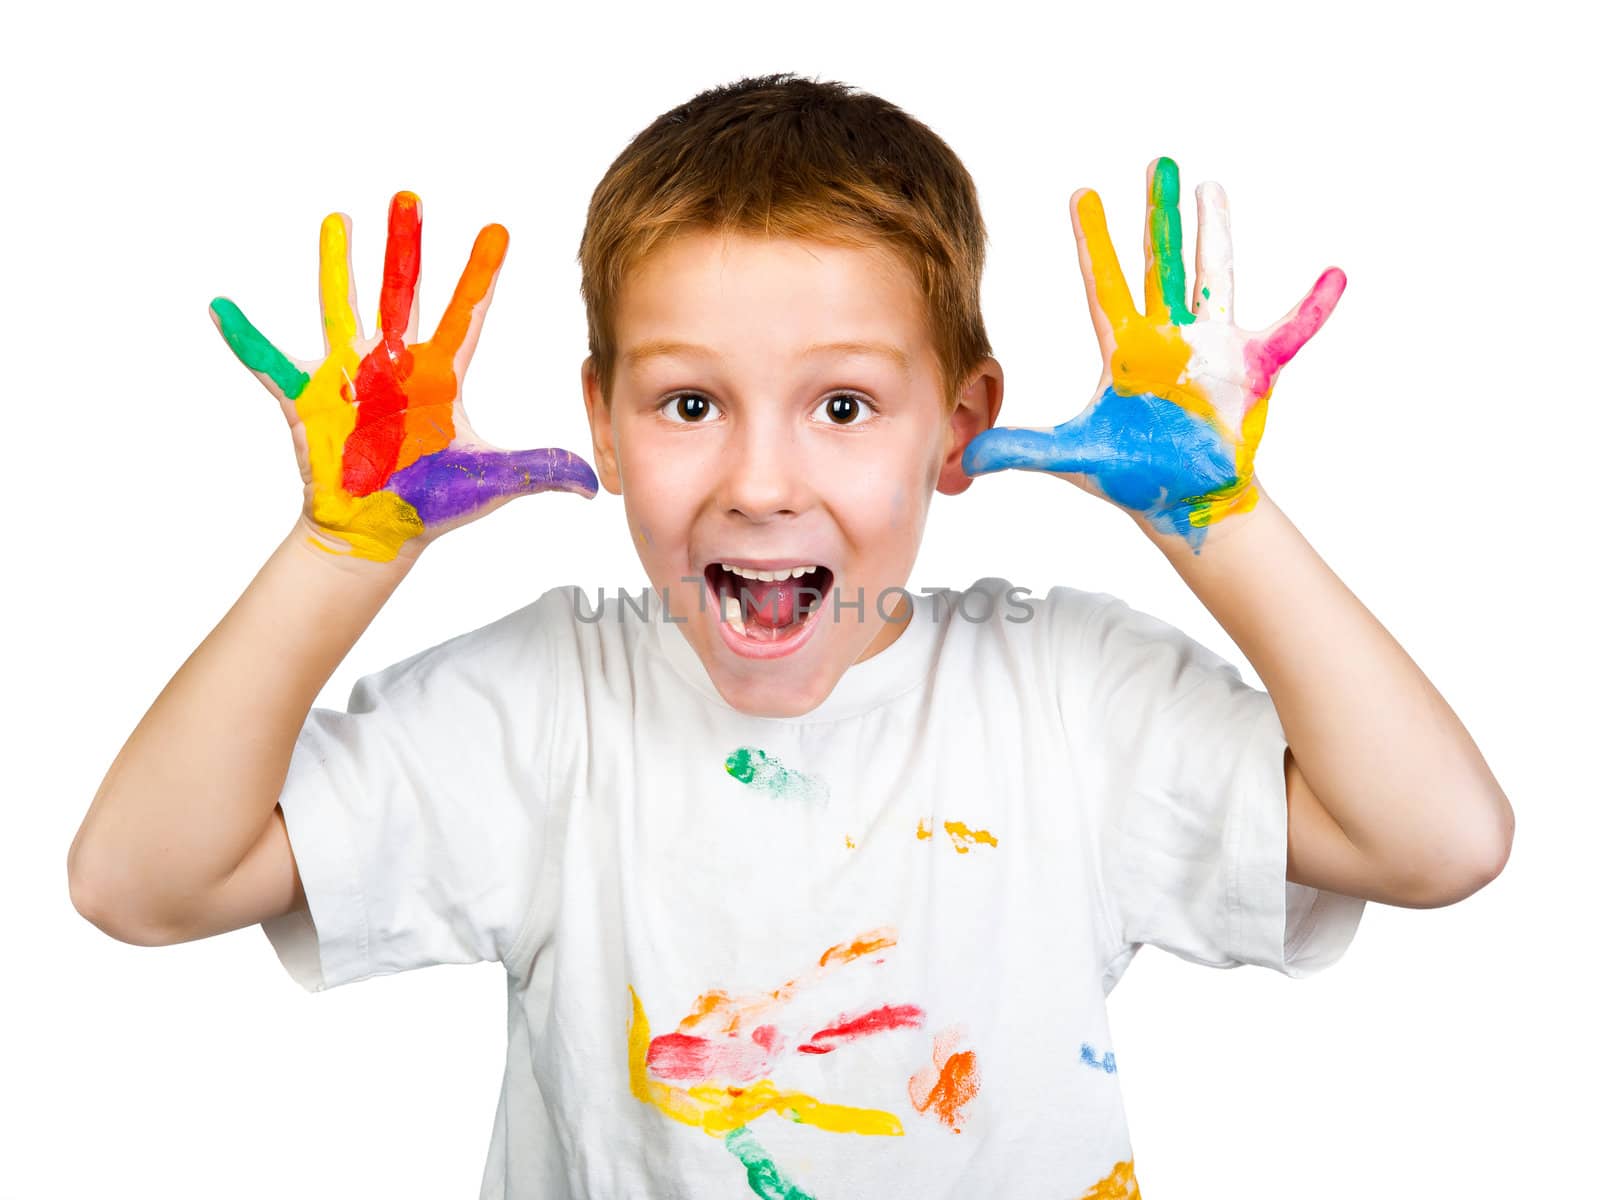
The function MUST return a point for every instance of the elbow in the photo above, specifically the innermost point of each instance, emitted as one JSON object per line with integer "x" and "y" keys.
{"x": 1458, "y": 869}
{"x": 107, "y": 915}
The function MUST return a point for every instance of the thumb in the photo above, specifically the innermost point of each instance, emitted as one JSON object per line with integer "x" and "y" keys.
{"x": 1059, "y": 449}
{"x": 459, "y": 480}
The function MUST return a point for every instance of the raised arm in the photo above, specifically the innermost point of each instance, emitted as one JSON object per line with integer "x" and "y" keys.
{"x": 182, "y": 839}
{"x": 1389, "y": 798}
{"x": 196, "y": 785}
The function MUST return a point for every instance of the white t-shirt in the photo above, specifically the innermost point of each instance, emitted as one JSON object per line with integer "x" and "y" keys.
{"x": 861, "y": 952}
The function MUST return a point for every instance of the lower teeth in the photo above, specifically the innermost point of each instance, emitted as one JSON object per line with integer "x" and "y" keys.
{"x": 733, "y": 614}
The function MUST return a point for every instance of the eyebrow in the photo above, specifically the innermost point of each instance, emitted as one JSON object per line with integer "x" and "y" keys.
{"x": 661, "y": 348}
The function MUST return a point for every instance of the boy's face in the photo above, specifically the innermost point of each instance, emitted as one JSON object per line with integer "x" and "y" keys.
{"x": 762, "y": 453}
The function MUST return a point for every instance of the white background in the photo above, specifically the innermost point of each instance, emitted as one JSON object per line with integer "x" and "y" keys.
{"x": 1433, "y": 443}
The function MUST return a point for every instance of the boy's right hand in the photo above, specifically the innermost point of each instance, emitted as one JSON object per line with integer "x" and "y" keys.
{"x": 388, "y": 458}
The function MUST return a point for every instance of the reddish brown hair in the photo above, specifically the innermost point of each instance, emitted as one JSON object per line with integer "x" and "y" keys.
{"x": 781, "y": 156}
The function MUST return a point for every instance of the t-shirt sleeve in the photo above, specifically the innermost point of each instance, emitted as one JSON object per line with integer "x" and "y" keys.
{"x": 417, "y": 816}
{"x": 1187, "y": 804}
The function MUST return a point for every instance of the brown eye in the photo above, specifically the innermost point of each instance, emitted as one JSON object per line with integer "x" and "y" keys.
{"x": 689, "y": 408}
{"x": 844, "y": 408}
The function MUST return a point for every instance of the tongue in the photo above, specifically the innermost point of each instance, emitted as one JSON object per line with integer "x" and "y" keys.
{"x": 772, "y": 604}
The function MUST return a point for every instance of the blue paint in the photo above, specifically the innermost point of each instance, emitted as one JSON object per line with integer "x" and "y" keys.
{"x": 1147, "y": 454}
{"x": 1087, "y": 1057}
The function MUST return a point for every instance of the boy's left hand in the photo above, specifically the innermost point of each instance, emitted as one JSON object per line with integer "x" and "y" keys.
{"x": 1171, "y": 437}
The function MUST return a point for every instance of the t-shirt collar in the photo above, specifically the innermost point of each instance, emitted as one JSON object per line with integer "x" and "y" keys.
{"x": 892, "y": 671}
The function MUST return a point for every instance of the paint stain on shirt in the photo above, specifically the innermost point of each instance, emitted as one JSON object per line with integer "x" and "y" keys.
{"x": 1120, "y": 1184}
{"x": 950, "y": 1083}
{"x": 760, "y": 770}
{"x": 961, "y": 837}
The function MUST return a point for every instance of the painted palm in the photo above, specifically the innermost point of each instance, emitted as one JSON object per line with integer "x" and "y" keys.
{"x": 388, "y": 458}
{"x": 1172, "y": 434}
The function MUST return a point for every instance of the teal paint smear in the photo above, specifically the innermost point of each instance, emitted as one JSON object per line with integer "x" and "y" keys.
{"x": 1166, "y": 240}
{"x": 255, "y": 352}
{"x": 766, "y": 1180}
{"x": 1206, "y": 292}
{"x": 758, "y": 769}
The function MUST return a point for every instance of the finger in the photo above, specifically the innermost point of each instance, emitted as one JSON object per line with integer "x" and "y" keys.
{"x": 1059, "y": 449}
{"x": 1276, "y": 346}
{"x": 1110, "y": 302}
{"x": 456, "y": 482}
{"x": 272, "y": 366}
{"x": 463, "y": 318}
{"x": 340, "y": 325}
{"x": 402, "y": 258}
{"x": 1163, "y": 247}
{"x": 1213, "y": 283}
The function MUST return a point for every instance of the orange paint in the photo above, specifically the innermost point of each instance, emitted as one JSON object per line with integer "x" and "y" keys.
{"x": 950, "y": 1083}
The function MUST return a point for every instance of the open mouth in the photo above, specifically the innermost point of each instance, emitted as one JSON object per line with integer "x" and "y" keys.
{"x": 768, "y": 610}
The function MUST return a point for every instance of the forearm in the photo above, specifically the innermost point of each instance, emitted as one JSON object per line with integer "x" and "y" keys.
{"x": 1378, "y": 745}
{"x": 198, "y": 779}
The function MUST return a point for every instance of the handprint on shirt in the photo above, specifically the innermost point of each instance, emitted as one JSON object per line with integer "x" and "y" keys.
{"x": 1172, "y": 434}
{"x": 736, "y": 1038}
{"x": 714, "y": 1071}
{"x": 385, "y": 449}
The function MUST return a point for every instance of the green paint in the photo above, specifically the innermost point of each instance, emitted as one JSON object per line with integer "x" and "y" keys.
{"x": 1166, "y": 240}
{"x": 255, "y": 352}
{"x": 766, "y": 1180}
{"x": 756, "y": 768}
{"x": 1206, "y": 292}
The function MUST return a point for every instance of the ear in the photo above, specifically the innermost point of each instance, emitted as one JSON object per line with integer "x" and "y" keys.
{"x": 976, "y": 411}
{"x": 600, "y": 430}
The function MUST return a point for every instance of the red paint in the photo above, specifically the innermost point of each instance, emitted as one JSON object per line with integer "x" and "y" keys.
{"x": 373, "y": 447}
{"x": 890, "y": 1016}
{"x": 372, "y": 451}
{"x": 402, "y": 259}
{"x": 696, "y": 1059}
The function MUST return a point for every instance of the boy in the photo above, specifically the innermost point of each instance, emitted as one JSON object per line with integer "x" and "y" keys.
{"x": 804, "y": 885}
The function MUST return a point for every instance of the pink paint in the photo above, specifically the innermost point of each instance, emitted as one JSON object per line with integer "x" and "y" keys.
{"x": 1266, "y": 357}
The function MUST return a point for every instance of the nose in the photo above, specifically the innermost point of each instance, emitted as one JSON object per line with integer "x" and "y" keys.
{"x": 763, "y": 475}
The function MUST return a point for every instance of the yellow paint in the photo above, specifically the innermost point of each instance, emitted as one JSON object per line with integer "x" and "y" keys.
{"x": 1110, "y": 288}
{"x": 1120, "y": 1184}
{"x": 963, "y": 838}
{"x": 719, "y": 1109}
{"x": 375, "y": 525}
{"x": 849, "y": 843}
{"x": 338, "y": 316}
{"x": 1242, "y": 496}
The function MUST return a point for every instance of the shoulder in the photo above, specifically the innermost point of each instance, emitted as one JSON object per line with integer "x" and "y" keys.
{"x": 516, "y": 645}
{"x": 1058, "y": 615}
{"x": 1091, "y": 626}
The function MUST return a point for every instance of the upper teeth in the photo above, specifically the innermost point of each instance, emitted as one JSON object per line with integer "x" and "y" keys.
{"x": 769, "y": 576}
